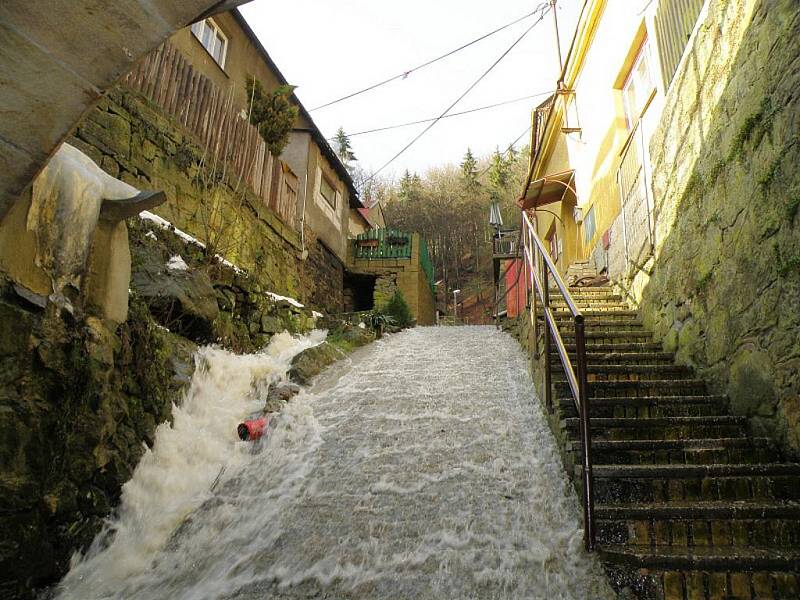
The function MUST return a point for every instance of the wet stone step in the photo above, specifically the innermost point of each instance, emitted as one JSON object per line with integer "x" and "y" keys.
{"x": 624, "y": 358}
{"x": 731, "y": 559}
{"x": 605, "y": 313}
{"x": 660, "y": 428}
{"x": 564, "y": 320}
{"x": 612, "y": 347}
{"x": 710, "y": 584}
{"x": 637, "y": 388}
{"x": 648, "y": 407}
{"x": 700, "y": 524}
{"x": 679, "y": 452}
{"x": 625, "y": 335}
{"x": 667, "y": 483}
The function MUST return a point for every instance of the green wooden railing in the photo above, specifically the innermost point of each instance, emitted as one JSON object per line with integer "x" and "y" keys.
{"x": 425, "y": 261}
{"x": 382, "y": 244}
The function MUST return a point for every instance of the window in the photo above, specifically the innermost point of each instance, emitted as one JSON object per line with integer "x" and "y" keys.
{"x": 674, "y": 22}
{"x": 638, "y": 87}
{"x": 213, "y": 40}
{"x": 589, "y": 226}
{"x": 328, "y": 192}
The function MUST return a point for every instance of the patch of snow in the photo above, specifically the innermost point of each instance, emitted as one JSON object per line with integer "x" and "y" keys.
{"x": 189, "y": 239}
{"x": 362, "y": 325}
{"x": 291, "y": 301}
{"x": 146, "y": 215}
{"x": 227, "y": 263}
{"x": 317, "y": 315}
{"x": 151, "y": 235}
{"x": 176, "y": 263}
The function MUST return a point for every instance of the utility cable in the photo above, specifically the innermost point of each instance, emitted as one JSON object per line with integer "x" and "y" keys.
{"x": 543, "y": 8}
{"x": 405, "y": 74}
{"x": 458, "y": 114}
{"x": 507, "y": 150}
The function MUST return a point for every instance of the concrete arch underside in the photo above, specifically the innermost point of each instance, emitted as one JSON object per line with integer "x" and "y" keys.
{"x": 56, "y": 59}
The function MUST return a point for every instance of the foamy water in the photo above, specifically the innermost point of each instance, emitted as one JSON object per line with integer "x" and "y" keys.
{"x": 421, "y": 468}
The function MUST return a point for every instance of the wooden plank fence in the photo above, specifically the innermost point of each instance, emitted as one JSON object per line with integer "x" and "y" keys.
{"x": 233, "y": 146}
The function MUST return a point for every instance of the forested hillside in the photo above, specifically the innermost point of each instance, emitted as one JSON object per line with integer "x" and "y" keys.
{"x": 450, "y": 206}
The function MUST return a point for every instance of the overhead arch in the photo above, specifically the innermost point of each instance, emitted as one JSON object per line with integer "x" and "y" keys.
{"x": 57, "y": 57}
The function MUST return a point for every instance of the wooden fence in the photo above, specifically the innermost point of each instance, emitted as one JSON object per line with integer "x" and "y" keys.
{"x": 233, "y": 146}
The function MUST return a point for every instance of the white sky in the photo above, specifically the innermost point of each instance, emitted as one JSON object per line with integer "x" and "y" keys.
{"x": 331, "y": 48}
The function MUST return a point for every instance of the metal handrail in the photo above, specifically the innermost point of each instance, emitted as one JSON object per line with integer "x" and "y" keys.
{"x": 541, "y": 269}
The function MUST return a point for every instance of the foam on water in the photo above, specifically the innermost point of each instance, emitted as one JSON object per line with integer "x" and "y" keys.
{"x": 175, "y": 477}
{"x": 422, "y": 468}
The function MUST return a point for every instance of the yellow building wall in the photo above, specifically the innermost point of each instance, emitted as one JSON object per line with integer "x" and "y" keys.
{"x": 605, "y": 56}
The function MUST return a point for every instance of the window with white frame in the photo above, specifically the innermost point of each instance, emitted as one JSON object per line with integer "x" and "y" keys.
{"x": 328, "y": 192}
{"x": 214, "y": 41}
{"x": 638, "y": 87}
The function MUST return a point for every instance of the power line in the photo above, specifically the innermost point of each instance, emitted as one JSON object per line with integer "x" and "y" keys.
{"x": 507, "y": 150}
{"x": 405, "y": 74}
{"x": 458, "y": 114}
{"x": 542, "y": 10}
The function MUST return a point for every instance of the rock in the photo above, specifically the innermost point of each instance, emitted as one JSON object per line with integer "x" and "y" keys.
{"x": 310, "y": 363}
{"x": 271, "y": 324}
{"x": 183, "y": 301}
{"x": 280, "y": 394}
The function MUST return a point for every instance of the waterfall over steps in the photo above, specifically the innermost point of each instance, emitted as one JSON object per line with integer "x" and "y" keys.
{"x": 421, "y": 467}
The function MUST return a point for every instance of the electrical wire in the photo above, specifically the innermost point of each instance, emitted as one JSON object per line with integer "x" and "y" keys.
{"x": 405, "y": 74}
{"x": 458, "y": 114}
{"x": 542, "y": 10}
{"x": 507, "y": 150}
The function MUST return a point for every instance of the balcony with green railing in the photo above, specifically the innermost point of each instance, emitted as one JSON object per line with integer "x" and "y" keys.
{"x": 390, "y": 244}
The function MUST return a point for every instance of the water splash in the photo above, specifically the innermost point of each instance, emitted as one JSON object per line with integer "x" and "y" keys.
{"x": 175, "y": 477}
{"x": 422, "y": 468}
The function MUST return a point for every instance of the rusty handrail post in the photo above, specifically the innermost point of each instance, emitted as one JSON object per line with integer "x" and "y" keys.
{"x": 548, "y": 366}
{"x": 586, "y": 437}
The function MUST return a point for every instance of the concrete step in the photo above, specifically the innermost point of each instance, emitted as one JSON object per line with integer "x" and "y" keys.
{"x": 660, "y": 428}
{"x": 565, "y": 322}
{"x": 636, "y": 388}
{"x": 700, "y": 524}
{"x": 714, "y": 559}
{"x": 624, "y": 358}
{"x": 602, "y": 338}
{"x": 708, "y": 584}
{"x": 687, "y": 451}
{"x": 648, "y": 407}
{"x": 562, "y": 312}
{"x": 615, "y": 347}
{"x": 611, "y": 372}
{"x": 615, "y": 484}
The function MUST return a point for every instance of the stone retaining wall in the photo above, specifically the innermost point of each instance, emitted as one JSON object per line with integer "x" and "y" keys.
{"x": 724, "y": 286}
{"x": 132, "y": 139}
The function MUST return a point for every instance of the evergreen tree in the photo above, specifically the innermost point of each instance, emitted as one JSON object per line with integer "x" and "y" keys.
{"x": 469, "y": 170}
{"x": 499, "y": 170}
{"x": 343, "y": 148}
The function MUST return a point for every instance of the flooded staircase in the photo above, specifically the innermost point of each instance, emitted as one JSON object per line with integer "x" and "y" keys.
{"x": 689, "y": 505}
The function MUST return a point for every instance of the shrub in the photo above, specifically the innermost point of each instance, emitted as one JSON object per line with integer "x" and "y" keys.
{"x": 397, "y": 308}
{"x": 272, "y": 113}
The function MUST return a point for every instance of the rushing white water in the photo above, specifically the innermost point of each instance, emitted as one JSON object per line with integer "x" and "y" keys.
{"x": 420, "y": 468}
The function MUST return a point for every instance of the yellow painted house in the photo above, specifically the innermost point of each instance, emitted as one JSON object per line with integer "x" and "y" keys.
{"x": 590, "y": 177}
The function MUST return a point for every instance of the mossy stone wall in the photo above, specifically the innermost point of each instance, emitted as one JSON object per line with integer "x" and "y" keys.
{"x": 724, "y": 288}
{"x": 132, "y": 139}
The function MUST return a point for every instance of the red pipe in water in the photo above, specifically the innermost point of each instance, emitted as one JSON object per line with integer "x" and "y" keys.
{"x": 252, "y": 429}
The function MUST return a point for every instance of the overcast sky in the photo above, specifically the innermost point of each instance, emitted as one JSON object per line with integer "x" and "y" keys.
{"x": 331, "y": 48}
